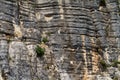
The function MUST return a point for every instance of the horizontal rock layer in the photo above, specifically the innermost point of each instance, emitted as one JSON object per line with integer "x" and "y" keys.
{"x": 80, "y": 38}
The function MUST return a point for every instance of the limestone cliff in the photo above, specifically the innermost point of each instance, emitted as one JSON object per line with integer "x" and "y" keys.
{"x": 59, "y": 39}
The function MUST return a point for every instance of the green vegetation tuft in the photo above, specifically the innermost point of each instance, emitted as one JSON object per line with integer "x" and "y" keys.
{"x": 103, "y": 65}
{"x": 115, "y": 78}
{"x": 40, "y": 51}
{"x": 45, "y": 39}
{"x": 115, "y": 63}
{"x": 48, "y": 33}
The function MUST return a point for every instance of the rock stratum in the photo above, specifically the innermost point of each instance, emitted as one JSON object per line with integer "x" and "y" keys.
{"x": 79, "y": 39}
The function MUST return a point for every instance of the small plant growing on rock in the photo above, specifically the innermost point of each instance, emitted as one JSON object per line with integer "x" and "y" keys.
{"x": 115, "y": 78}
{"x": 45, "y": 40}
{"x": 115, "y": 63}
{"x": 103, "y": 65}
{"x": 48, "y": 33}
{"x": 40, "y": 51}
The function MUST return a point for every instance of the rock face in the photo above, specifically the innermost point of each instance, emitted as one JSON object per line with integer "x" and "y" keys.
{"x": 81, "y": 39}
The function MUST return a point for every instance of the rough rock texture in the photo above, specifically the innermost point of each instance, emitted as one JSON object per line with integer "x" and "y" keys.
{"x": 83, "y": 39}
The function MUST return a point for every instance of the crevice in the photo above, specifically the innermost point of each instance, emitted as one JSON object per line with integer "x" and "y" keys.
{"x": 102, "y": 3}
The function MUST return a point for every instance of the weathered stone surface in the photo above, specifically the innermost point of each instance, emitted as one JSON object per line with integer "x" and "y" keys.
{"x": 76, "y": 35}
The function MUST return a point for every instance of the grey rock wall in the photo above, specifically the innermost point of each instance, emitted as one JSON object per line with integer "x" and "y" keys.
{"x": 83, "y": 39}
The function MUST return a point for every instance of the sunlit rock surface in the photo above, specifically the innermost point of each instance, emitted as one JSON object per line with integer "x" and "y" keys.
{"x": 81, "y": 39}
